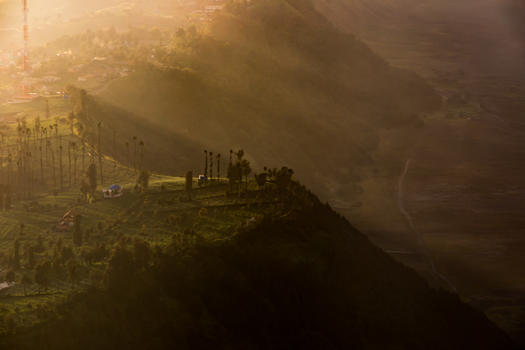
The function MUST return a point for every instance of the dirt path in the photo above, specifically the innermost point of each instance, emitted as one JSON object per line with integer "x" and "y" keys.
{"x": 419, "y": 237}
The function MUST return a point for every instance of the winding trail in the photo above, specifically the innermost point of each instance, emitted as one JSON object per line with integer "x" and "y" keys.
{"x": 419, "y": 237}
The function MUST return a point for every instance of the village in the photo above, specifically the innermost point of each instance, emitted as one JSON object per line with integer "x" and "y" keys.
{"x": 90, "y": 59}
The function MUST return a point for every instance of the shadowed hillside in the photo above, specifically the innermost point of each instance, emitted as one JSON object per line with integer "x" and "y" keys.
{"x": 301, "y": 277}
{"x": 276, "y": 78}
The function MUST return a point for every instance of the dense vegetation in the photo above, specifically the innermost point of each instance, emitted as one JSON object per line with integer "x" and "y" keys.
{"x": 299, "y": 277}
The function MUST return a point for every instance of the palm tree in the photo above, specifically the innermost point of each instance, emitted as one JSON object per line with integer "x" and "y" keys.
{"x": 211, "y": 166}
{"x": 141, "y": 151}
{"x": 135, "y": 153}
{"x": 9, "y": 162}
{"x": 127, "y": 154}
{"x": 99, "y": 126}
{"x": 29, "y": 158}
{"x": 205, "y": 163}
{"x": 49, "y": 141}
{"x": 83, "y": 154}
{"x": 69, "y": 161}
{"x": 219, "y": 167}
{"x": 115, "y": 143}
{"x": 41, "y": 165}
{"x": 75, "y": 156}
{"x": 48, "y": 114}
{"x": 71, "y": 119}
{"x": 53, "y": 166}
{"x": 60, "y": 164}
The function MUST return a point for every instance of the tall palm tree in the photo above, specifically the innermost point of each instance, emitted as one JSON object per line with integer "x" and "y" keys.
{"x": 127, "y": 154}
{"x": 141, "y": 151}
{"x": 9, "y": 163}
{"x": 53, "y": 166}
{"x": 135, "y": 153}
{"x": 83, "y": 154}
{"x": 218, "y": 167}
{"x": 205, "y": 163}
{"x": 75, "y": 156}
{"x": 48, "y": 146}
{"x": 114, "y": 143}
{"x": 61, "y": 172}
{"x": 99, "y": 126}
{"x": 50, "y": 134}
{"x": 211, "y": 166}
{"x": 41, "y": 165}
{"x": 69, "y": 162}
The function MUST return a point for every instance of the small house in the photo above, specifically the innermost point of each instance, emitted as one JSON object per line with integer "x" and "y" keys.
{"x": 203, "y": 179}
{"x": 114, "y": 191}
{"x": 66, "y": 223}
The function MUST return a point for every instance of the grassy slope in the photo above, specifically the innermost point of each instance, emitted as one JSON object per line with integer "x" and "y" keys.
{"x": 156, "y": 218}
{"x": 279, "y": 81}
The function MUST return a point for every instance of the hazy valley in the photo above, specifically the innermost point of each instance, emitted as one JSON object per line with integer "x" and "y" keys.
{"x": 405, "y": 117}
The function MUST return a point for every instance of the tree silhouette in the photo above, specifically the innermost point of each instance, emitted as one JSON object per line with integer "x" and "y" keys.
{"x": 135, "y": 153}
{"x": 16, "y": 254}
{"x": 61, "y": 172}
{"x": 29, "y": 256}
{"x": 9, "y": 276}
{"x": 127, "y": 154}
{"x": 41, "y": 165}
{"x": 75, "y": 157}
{"x": 26, "y": 281}
{"x": 141, "y": 253}
{"x": 218, "y": 167}
{"x": 141, "y": 154}
{"x": 9, "y": 165}
{"x": 42, "y": 274}
{"x": 69, "y": 162}
{"x": 53, "y": 167}
{"x": 143, "y": 180}
{"x": 72, "y": 271}
{"x": 83, "y": 154}
{"x": 205, "y": 163}
{"x": 77, "y": 231}
{"x": 92, "y": 177}
{"x": 120, "y": 269}
{"x": 189, "y": 183}
{"x": 99, "y": 127}
{"x": 211, "y": 166}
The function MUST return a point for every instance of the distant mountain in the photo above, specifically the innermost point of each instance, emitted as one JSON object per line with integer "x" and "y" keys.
{"x": 484, "y": 37}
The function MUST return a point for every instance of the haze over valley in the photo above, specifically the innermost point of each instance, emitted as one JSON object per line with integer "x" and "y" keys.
{"x": 342, "y": 173}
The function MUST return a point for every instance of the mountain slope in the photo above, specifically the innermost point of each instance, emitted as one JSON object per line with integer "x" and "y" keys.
{"x": 302, "y": 277}
{"x": 430, "y": 36}
{"x": 274, "y": 77}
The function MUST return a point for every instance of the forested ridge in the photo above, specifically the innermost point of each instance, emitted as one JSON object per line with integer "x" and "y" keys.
{"x": 302, "y": 277}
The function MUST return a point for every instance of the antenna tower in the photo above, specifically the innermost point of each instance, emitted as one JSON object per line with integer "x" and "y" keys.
{"x": 26, "y": 37}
